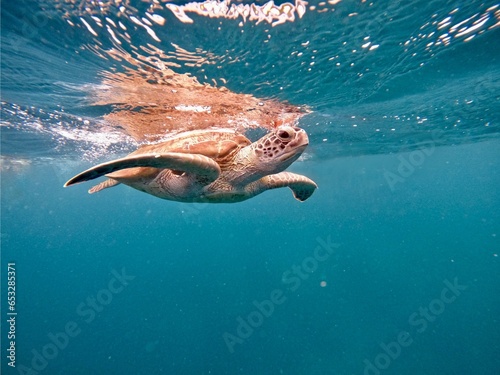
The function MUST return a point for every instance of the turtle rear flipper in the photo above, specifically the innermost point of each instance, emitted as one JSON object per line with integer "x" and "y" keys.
{"x": 103, "y": 185}
{"x": 202, "y": 167}
{"x": 301, "y": 186}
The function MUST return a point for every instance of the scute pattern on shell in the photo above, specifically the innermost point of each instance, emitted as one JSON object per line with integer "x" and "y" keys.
{"x": 220, "y": 145}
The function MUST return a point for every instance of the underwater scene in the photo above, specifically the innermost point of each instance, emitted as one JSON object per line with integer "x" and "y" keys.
{"x": 276, "y": 187}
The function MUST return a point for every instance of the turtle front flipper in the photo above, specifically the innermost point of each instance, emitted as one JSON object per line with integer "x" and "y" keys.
{"x": 301, "y": 186}
{"x": 202, "y": 167}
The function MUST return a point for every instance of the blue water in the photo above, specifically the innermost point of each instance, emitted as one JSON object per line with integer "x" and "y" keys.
{"x": 391, "y": 267}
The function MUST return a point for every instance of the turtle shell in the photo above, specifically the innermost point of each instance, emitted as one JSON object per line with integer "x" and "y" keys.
{"x": 219, "y": 145}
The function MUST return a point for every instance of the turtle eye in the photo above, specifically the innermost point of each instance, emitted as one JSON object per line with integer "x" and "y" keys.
{"x": 285, "y": 134}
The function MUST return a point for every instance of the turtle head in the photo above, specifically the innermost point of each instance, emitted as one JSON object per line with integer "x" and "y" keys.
{"x": 277, "y": 150}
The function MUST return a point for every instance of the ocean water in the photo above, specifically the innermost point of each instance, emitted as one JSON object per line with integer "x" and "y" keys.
{"x": 391, "y": 267}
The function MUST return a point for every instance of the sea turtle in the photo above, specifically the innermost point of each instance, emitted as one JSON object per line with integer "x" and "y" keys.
{"x": 217, "y": 166}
